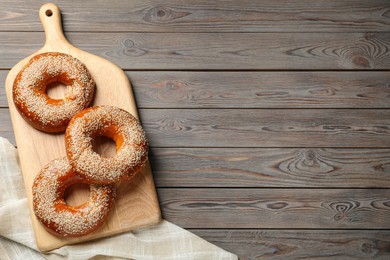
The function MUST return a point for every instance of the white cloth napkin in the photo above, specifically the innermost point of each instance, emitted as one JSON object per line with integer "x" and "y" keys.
{"x": 162, "y": 241}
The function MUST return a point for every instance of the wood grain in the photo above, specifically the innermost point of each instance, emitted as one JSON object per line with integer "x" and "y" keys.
{"x": 171, "y": 89}
{"x": 205, "y": 16}
{"x": 270, "y": 167}
{"x": 260, "y": 127}
{"x": 301, "y": 244}
{"x": 136, "y": 203}
{"x": 246, "y": 130}
{"x": 3, "y": 98}
{"x": 218, "y": 51}
{"x": 277, "y": 208}
{"x": 280, "y": 167}
{"x": 267, "y": 127}
{"x": 6, "y": 129}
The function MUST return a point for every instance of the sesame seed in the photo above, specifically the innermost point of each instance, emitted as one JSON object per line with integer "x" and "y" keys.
{"x": 115, "y": 123}
{"x": 53, "y": 212}
{"x": 36, "y": 106}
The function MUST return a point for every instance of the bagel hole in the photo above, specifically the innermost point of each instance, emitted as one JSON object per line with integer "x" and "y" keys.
{"x": 77, "y": 194}
{"x": 104, "y": 146}
{"x": 56, "y": 90}
{"x": 49, "y": 12}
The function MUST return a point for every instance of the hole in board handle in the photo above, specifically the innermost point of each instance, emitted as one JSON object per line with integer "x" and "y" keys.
{"x": 49, "y": 12}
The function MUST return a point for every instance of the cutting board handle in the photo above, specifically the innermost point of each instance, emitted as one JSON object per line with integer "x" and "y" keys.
{"x": 50, "y": 16}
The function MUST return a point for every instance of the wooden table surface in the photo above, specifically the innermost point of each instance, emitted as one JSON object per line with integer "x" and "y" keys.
{"x": 268, "y": 121}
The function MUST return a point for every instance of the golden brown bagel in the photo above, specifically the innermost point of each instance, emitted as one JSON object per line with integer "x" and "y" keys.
{"x": 29, "y": 90}
{"x": 60, "y": 218}
{"x": 112, "y": 122}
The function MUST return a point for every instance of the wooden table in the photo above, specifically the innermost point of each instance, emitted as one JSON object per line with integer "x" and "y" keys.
{"x": 268, "y": 121}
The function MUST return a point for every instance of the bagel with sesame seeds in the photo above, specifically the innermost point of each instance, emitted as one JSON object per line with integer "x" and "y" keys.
{"x": 116, "y": 124}
{"x": 55, "y": 214}
{"x": 33, "y": 103}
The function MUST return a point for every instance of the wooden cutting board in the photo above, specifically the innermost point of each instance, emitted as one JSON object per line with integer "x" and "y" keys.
{"x": 136, "y": 203}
